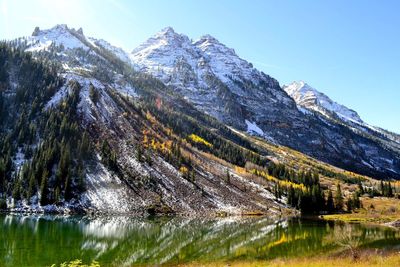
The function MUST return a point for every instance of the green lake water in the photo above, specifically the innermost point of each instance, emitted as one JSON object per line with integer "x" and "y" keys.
{"x": 127, "y": 241}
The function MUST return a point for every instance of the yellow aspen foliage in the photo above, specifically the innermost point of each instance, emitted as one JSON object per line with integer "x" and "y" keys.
{"x": 281, "y": 183}
{"x": 240, "y": 170}
{"x": 197, "y": 139}
{"x": 154, "y": 144}
{"x": 183, "y": 170}
{"x": 150, "y": 118}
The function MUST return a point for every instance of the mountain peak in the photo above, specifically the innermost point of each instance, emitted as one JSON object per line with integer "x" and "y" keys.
{"x": 80, "y": 31}
{"x": 210, "y": 44}
{"x": 169, "y": 33}
{"x": 209, "y": 38}
{"x": 59, "y": 35}
{"x": 167, "y": 30}
{"x": 167, "y": 37}
{"x": 310, "y": 98}
{"x": 59, "y": 27}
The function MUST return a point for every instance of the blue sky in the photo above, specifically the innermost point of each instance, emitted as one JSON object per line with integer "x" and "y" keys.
{"x": 350, "y": 50}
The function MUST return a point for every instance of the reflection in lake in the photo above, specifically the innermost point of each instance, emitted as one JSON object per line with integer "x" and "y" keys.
{"x": 125, "y": 241}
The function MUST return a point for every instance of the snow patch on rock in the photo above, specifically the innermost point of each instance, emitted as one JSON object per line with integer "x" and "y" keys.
{"x": 253, "y": 128}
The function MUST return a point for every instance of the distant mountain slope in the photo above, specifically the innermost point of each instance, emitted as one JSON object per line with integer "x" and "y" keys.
{"x": 217, "y": 81}
{"x": 310, "y": 99}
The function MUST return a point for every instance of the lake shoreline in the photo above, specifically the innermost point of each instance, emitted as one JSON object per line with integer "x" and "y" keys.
{"x": 375, "y": 211}
{"x": 210, "y": 215}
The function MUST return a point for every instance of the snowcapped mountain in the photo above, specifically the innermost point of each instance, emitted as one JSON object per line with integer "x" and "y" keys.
{"x": 167, "y": 51}
{"x": 212, "y": 77}
{"x": 197, "y": 88}
{"x": 74, "y": 50}
{"x": 113, "y": 105}
{"x": 309, "y": 98}
{"x": 90, "y": 60}
{"x": 218, "y": 82}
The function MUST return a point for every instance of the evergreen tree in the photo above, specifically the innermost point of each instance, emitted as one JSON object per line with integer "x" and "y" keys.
{"x": 360, "y": 188}
{"x": 349, "y": 204}
{"x": 93, "y": 94}
{"x": 390, "y": 190}
{"x": 291, "y": 197}
{"x": 17, "y": 194}
{"x": 149, "y": 160}
{"x": 193, "y": 176}
{"x": 67, "y": 188}
{"x": 44, "y": 192}
{"x": 228, "y": 177}
{"x": 139, "y": 153}
{"x": 57, "y": 196}
{"x": 3, "y": 204}
{"x": 356, "y": 201}
{"x": 330, "y": 206}
{"x": 338, "y": 198}
{"x": 2, "y": 175}
{"x": 276, "y": 191}
{"x": 31, "y": 187}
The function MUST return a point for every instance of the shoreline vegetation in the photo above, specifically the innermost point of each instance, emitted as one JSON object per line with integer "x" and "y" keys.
{"x": 322, "y": 261}
{"x": 365, "y": 258}
{"x": 377, "y": 210}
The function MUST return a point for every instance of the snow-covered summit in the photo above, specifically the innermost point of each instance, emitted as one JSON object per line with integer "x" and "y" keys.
{"x": 308, "y": 97}
{"x": 224, "y": 61}
{"x": 165, "y": 37}
{"x": 68, "y": 42}
{"x": 160, "y": 54}
{"x": 59, "y": 35}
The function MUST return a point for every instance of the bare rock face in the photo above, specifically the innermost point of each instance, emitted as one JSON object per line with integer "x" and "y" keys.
{"x": 80, "y": 31}
{"x": 36, "y": 31}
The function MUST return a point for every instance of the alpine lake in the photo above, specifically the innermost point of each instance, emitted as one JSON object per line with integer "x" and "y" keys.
{"x": 43, "y": 240}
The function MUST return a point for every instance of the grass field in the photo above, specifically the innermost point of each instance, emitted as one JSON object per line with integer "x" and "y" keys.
{"x": 367, "y": 259}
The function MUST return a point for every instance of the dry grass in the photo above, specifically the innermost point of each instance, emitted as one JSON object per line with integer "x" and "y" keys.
{"x": 367, "y": 261}
{"x": 375, "y": 210}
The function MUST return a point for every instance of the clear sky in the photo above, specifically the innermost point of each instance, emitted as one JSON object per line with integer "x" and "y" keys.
{"x": 348, "y": 49}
